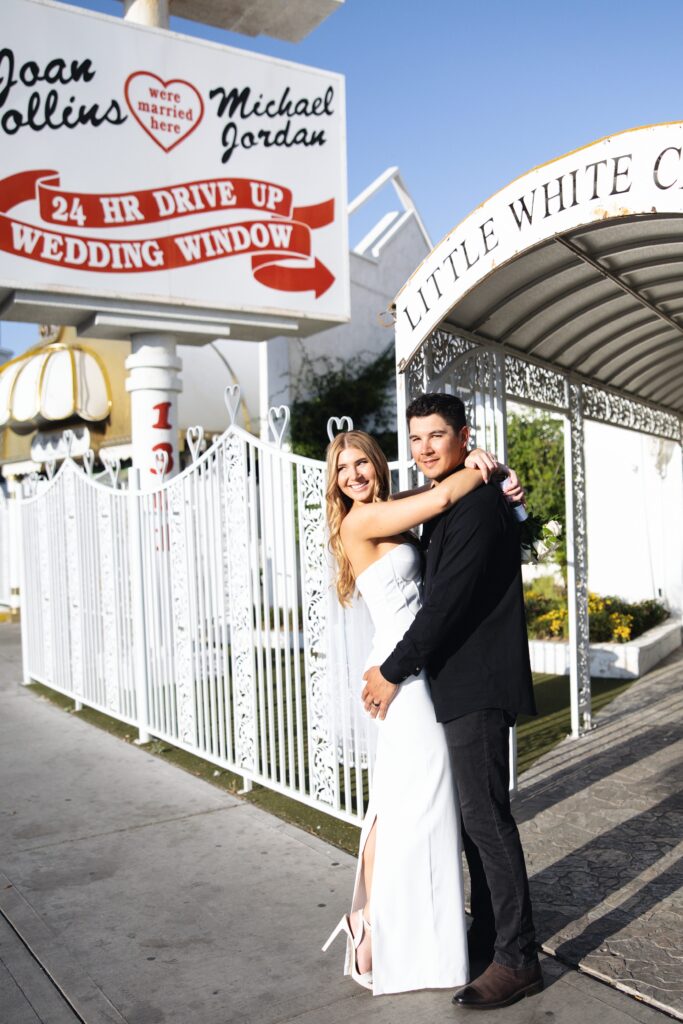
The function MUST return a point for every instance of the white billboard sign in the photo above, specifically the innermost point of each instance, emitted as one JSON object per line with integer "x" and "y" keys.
{"x": 145, "y": 166}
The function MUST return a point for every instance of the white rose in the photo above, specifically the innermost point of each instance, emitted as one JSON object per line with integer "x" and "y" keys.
{"x": 541, "y": 549}
{"x": 554, "y": 527}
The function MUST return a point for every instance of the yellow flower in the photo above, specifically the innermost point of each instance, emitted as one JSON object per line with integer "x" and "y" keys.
{"x": 552, "y": 622}
{"x": 621, "y": 627}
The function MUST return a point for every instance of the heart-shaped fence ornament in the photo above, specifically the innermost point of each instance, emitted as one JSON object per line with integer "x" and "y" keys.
{"x": 68, "y": 437}
{"x": 278, "y": 421}
{"x": 194, "y": 437}
{"x": 89, "y": 461}
{"x": 50, "y": 466}
{"x": 342, "y": 423}
{"x": 231, "y": 396}
{"x": 161, "y": 459}
{"x": 112, "y": 465}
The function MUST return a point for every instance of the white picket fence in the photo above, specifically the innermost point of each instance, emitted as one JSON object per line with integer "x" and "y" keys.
{"x": 5, "y": 576}
{"x": 197, "y": 613}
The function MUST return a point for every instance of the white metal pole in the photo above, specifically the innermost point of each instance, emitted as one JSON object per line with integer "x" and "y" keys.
{"x": 154, "y": 384}
{"x": 18, "y": 539}
{"x": 147, "y": 12}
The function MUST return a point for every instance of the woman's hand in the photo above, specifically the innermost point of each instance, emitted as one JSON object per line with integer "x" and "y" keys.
{"x": 491, "y": 469}
{"x": 485, "y": 462}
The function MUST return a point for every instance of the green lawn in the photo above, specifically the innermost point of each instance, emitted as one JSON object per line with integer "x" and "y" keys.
{"x": 536, "y": 736}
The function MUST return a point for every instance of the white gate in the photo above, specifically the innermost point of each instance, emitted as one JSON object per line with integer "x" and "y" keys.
{"x": 197, "y": 612}
{"x": 5, "y": 585}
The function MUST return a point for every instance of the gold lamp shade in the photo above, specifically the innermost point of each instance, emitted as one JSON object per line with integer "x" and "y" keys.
{"x": 51, "y": 384}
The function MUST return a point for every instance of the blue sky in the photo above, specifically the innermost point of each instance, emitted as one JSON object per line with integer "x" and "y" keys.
{"x": 464, "y": 97}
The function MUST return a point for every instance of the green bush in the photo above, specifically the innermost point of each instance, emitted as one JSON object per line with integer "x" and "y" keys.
{"x": 360, "y": 387}
{"x": 611, "y": 619}
{"x": 535, "y": 450}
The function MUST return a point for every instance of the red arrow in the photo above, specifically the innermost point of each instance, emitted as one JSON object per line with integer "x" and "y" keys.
{"x": 292, "y": 279}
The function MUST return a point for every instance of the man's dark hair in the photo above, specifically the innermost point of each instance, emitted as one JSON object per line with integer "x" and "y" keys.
{"x": 447, "y": 406}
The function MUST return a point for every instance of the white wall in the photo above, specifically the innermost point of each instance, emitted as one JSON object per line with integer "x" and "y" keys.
{"x": 634, "y": 487}
{"x": 206, "y": 371}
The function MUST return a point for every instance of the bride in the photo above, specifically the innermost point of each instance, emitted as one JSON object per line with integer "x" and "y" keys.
{"x": 406, "y": 929}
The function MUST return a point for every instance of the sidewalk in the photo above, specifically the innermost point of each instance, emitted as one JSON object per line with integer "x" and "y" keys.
{"x": 149, "y": 897}
{"x": 602, "y": 827}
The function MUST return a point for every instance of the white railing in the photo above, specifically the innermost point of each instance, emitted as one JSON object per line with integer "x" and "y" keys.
{"x": 5, "y": 576}
{"x": 197, "y": 612}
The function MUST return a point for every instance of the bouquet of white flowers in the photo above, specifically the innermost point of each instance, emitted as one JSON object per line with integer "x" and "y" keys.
{"x": 539, "y": 541}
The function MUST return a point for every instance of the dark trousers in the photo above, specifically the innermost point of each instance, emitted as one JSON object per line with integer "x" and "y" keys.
{"x": 478, "y": 745}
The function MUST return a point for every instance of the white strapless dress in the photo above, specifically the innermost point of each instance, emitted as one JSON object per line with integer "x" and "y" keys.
{"x": 417, "y": 911}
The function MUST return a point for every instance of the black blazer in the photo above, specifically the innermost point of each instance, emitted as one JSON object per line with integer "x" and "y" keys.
{"x": 470, "y": 633}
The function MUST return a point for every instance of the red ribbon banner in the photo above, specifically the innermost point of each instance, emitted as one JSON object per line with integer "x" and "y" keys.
{"x": 281, "y": 233}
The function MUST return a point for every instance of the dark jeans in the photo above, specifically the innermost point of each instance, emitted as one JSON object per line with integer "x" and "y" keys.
{"x": 478, "y": 745}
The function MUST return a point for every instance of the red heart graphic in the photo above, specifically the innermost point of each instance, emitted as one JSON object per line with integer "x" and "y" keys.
{"x": 167, "y": 111}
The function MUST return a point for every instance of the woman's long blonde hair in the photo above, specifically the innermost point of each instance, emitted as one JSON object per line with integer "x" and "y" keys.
{"x": 338, "y": 505}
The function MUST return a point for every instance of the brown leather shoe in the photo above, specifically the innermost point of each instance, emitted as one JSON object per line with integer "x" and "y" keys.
{"x": 500, "y": 986}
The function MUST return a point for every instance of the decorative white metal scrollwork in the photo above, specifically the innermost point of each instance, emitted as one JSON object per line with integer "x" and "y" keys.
{"x": 241, "y": 604}
{"x": 620, "y": 411}
{"x": 109, "y": 597}
{"x": 179, "y": 520}
{"x": 450, "y": 363}
{"x": 443, "y": 350}
{"x": 528, "y": 382}
{"x": 312, "y": 534}
{"x": 577, "y": 586}
{"x": 50, "y": 468}
{"x": 89, "y": 462}
{"x": 446, "y": 360}
{"x": 73, "y": 580}
{"x": 342, "y": 424}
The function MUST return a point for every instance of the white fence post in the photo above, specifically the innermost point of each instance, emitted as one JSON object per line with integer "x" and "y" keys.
{"x": 13, "y": 529}
{"x": 26, "y": 624}
{"x": 137, "y": 607}
{"x": 242, "y": 650}
{"x": 73, "y": 580}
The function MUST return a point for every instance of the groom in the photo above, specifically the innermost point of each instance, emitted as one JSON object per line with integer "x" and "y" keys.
{"x": 471, "y": 636}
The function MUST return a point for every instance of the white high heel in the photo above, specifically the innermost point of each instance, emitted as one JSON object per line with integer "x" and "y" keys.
{"x": 354, "y": 942}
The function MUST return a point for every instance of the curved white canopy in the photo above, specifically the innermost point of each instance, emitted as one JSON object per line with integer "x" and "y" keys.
{"x": 577, "y": 264}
